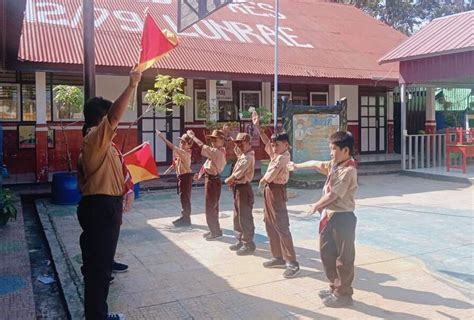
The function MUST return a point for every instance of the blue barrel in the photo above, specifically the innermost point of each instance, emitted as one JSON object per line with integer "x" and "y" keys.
{"x": 65, "y": 189}
{"x": 136, "y": 190}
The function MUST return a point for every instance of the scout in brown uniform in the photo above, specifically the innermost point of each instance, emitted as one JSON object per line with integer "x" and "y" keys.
{"x": 239, "y": 181}
{"x": 277, "y": 222}
{"x": 184, "y": 174}
{"x": 213, "y": 166}
{"x": 338, "y": 222}
{"x": 102, "y": 184}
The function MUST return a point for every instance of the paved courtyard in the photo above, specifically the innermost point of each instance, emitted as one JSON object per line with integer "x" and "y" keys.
{"x": 414, "y": 257}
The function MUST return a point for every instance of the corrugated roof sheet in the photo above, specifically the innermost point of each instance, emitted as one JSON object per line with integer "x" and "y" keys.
{"x": 323, "y": 40}
{"x": 444, "y": 35}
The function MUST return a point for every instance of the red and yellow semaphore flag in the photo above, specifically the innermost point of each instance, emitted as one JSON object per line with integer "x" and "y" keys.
{"x": 140, "y": 163}
{"x": 155, "y": 43}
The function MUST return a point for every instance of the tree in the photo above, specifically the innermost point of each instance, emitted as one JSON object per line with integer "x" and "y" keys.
{"x": 408, "y": 16}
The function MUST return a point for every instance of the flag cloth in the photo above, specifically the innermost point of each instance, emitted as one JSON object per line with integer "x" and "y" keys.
{"x": 154, "y": 44}
{"x": 140, "y": 163}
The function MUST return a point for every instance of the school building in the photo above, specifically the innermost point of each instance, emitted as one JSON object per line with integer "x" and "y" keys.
{"x": 327, "y": 51}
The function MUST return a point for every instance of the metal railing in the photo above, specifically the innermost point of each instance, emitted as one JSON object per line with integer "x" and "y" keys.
{"x": 424, "y": 151}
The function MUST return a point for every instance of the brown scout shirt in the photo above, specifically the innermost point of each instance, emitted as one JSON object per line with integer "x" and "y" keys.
{"x": 277, "y": 171}
{"x": 100, "y": 168}
{"x": 215, "y": 162}
{"x": 344, "y": 185}
{"x": 244, "y": 168}
{"x": 183, "y": 161}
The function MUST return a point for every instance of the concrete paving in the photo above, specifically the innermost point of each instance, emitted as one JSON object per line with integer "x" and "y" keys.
{"x": 414, "y": 257}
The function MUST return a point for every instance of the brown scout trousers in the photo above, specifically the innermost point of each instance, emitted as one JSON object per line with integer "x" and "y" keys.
{"x": 212, "y": 193}
{"x": 277, "y": 222}
{"x": 336, "y": 246}
{"x": 244, "y": 228}
{"x": 185, "y": 184}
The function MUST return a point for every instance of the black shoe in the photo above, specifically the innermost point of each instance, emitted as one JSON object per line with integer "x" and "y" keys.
{"x": 115, "y": 316}
{"x": 182, "y": 222}
{"x": 275, "y": 263}
{"x": 334, "y": 301}
{"x": 292, "y": 269}
{"x": 236, "y": 246}
{"x": 213, "y": 237}
{"x": 245, "y": 250}
{"x": 325, "y": 293}
{"x": 118, "y": 267}
{"x": 111, "y": 280}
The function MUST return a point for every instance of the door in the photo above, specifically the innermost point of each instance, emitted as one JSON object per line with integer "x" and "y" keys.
{"x": 169, "y": 122}
{"x": 372, "y": 123}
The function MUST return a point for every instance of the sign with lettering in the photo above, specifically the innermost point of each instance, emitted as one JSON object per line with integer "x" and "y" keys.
{"x": 224, "y": 91}
{"x": 239, "y": 24}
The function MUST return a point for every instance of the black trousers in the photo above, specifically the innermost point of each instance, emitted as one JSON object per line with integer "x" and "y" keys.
{"x": 100, "y": 217}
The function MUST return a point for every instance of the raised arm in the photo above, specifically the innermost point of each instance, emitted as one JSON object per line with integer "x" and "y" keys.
{"x": 196, "y": 140}
{"x": 166, "y": 141}
{"x": 261, "y": 132}
{"x": 312, "y": 164}
{"x": 119, "y": 106}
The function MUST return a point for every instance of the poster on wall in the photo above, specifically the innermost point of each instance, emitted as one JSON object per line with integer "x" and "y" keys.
{"x": 26, "y": 137}
{"x": 310, "y": 136}
{"x": 51, "y": 140}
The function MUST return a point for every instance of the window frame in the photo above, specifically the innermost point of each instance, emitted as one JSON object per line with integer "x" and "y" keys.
{"x": 241, "y": 100}
{"x": 18, "y": 105}
{"x": 283, "y": 93}
{"x": 54, "y": 116}
{"x": 195, "y": 114}
{"x": 318, "y": 92}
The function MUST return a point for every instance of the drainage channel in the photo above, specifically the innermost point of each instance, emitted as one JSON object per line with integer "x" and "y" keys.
{"x": 49, "y": 298}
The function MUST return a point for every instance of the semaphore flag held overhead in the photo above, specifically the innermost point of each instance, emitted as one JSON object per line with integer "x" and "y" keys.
{"x": 140, "y": 163}
{"x": 155, "y": 43}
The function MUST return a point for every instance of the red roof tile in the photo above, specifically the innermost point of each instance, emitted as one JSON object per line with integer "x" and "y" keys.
{"x": 450, "y": 34}
{"x": 323, "y": 40}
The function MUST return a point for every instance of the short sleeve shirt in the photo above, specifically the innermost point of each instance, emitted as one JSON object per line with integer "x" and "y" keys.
{"x": 215, "y": 162}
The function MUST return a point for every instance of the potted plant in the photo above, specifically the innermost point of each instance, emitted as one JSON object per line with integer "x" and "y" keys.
{"x": 265, "y": 120}
{"x": 69, "y": 100}
{"x": 7, "y": 207}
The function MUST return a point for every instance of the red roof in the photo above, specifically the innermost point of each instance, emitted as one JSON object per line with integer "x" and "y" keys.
{"x": 319, "y": 39}
{"x": 446, "y": 35}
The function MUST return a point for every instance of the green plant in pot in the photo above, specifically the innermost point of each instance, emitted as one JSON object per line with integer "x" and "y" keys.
{"x": 68, "y": 100}
{"x": 8, "y": 210}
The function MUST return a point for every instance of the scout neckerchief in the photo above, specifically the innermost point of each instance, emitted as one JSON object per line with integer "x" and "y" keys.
{"x": 202, "y": 171}
{"x": 323, "y": 222}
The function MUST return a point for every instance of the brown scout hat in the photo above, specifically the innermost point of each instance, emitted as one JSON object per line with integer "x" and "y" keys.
{"x": 217, "y": 134}
{"x": 186, "y": 139}
{"x": 242, "y": 136}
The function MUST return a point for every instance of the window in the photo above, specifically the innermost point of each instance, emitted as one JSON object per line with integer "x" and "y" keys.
{"x": 250, "y": 99}
{"x": 200, "y": 105}
{"x": 281, "y": 94}
{"x": 71, "y": 108}
{"x": 9, "y": 101}
{"x": 319, "y": 98}
{"x": 28, "y": 102}
{"x": 227, "y": 111}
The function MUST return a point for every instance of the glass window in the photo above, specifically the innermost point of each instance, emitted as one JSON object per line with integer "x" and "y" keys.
{"x": 249, "y": 99}
{"x": 9, "y": 101}
{"x": 319, "y": 98}
{"x": 28, "y": 93}
{"x": 227, "y": 111}
{"x": 68, "y": 102}
{"x": 200, "y": 105}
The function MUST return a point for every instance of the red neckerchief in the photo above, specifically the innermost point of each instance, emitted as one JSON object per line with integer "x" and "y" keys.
{"x": 323, "y": 222}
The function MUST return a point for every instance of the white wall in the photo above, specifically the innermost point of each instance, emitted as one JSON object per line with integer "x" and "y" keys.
{"x": 352, "y": 95}
{"x": 110, "y": 87}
